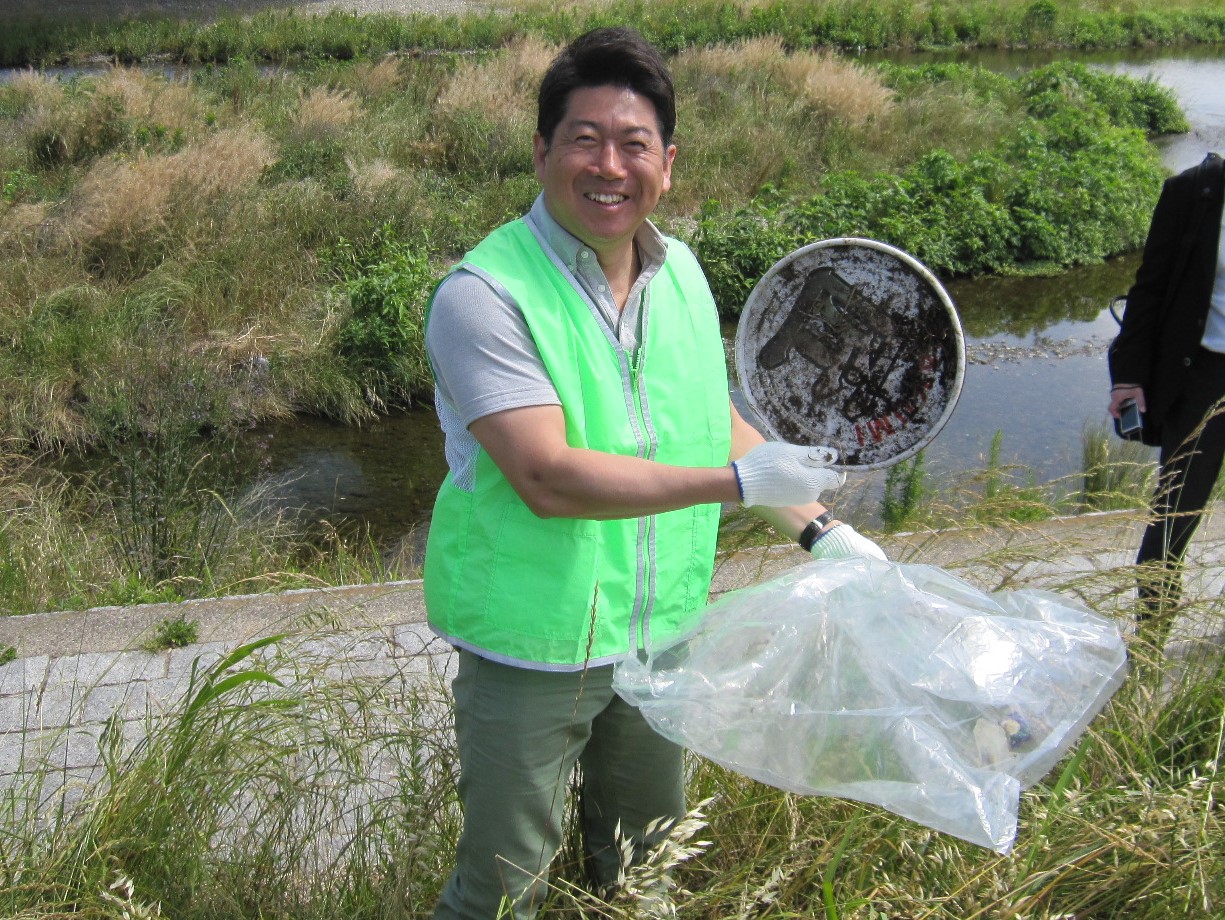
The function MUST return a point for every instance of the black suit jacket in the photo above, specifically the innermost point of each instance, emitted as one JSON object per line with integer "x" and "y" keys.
{"x": 1168, "y": 304}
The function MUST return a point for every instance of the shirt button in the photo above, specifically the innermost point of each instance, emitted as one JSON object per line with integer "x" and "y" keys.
{"x": 601, "y": 288}
{"x": 584, "y": 254}
{"x": 1186, "y": 362}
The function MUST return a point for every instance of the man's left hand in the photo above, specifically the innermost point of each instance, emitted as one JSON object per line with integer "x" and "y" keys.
{"x": 842, "y": 541}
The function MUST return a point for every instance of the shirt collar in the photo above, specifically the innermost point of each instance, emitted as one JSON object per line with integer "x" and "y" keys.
{"x": 652, "y": 245}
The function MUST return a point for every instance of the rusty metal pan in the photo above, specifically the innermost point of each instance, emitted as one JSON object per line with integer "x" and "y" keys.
{"x": 852, "y": 344}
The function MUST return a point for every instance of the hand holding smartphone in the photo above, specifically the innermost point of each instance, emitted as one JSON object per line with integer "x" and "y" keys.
{"x": 1130, "y": 423}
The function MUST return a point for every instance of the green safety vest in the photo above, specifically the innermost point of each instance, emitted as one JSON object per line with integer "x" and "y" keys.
{"x": 564, "y": 593}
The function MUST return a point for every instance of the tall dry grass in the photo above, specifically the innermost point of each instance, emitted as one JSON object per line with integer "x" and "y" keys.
{"x": 754, "y": 114}
{"x": 824, "y": 84}
{"x": 152, "y": 99}
{"x": 126, "y": 213}
{"x": 36, "y": 90}
{"x": 322, "y": 108}
{"x": 66, "y": 123}
{"x": 115, "y": 195}
{"x": 378, "y": 80}
{"x": 501, "y": 85}
{"x": 44, "y": 547}
{"x": 486, "y": 111}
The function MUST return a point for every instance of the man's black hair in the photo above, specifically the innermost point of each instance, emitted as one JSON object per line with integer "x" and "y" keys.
{"x": 611, "y": 56}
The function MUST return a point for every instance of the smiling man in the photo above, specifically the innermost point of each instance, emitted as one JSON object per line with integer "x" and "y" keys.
{"x": 582, "y": 389}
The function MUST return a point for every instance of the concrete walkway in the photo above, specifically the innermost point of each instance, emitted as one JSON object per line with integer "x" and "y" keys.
{"x": 79, "y": 672}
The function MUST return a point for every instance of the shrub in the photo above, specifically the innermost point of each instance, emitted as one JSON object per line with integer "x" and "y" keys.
{"x": 387, "y": 283}
{"x": 1126, "y": 102}
{"x": 1068, "y": 190}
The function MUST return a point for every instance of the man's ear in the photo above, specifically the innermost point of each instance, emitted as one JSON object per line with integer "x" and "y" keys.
{"x": 539, "y": 150}
{"x": 669, "y": 157}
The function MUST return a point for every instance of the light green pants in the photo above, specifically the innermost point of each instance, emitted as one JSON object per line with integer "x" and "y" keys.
{"x": 520, "y": 732}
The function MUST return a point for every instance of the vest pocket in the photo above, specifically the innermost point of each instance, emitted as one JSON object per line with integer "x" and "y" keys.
{"x": 542, "y": 576}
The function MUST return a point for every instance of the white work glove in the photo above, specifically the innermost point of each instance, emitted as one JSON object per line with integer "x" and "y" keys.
{"x": 777, "y": 474}
{"x": 843, "y": 540}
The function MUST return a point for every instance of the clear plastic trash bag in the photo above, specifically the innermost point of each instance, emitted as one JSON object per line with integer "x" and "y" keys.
{"x": 894, "y": 684}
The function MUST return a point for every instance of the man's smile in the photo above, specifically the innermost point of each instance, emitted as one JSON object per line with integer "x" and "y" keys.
{"x": 605, "y": 197}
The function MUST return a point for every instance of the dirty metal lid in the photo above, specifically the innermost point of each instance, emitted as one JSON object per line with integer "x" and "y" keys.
{"x": 851, "y": 344}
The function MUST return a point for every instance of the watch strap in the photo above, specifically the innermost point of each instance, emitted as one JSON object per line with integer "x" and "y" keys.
{"x": 810, "y": 533}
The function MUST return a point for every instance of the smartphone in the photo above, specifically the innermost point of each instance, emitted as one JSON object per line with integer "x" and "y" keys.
{"x": 1130, "y": 422}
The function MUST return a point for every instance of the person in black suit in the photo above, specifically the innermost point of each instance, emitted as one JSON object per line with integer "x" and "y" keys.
{"x": 1169, "y": 357}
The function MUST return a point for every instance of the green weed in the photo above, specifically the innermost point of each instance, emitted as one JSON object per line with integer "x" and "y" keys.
{"x": 387, "y": 283}
{"x": 1116, "y": 474}
{"x": 1055, "y": 192}
{"x": 177, "y": 633}
{"x": 905, "y": 492}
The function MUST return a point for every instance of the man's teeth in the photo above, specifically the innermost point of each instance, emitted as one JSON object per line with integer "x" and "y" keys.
{"x": 606, "y": 199}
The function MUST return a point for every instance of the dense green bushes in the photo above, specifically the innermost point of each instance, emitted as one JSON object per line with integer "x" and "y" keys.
{"x": 387, "y": 283}
{"x": 1073, "y": 184}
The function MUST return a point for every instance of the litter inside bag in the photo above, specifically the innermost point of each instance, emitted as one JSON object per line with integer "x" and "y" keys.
{"x": 894, "y": 684}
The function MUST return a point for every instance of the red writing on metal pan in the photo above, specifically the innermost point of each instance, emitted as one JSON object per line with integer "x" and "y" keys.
{"x": 851, "y": 344}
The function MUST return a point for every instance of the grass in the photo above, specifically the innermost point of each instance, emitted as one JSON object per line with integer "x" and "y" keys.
{"x": 154, "y": 528}
{"x": 176, "y": 633}
{"x": 281, "y": 783}
{"x": 227, "y": 782}
{"x": 33, "y": 36}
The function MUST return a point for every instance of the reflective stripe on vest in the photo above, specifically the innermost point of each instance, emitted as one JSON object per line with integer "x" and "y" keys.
{"x": 564, "y": 593}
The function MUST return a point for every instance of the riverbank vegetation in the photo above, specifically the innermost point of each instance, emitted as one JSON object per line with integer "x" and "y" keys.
{"x": 278, "y": 232}
{"x": 282, "y": 36}
{"x": 194, "y": 253}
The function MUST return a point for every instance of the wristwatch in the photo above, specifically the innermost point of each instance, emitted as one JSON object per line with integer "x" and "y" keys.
{"x": 809, "y": 536}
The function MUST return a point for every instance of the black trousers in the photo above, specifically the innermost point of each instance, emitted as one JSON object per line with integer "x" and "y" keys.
{"x": 1192, "y": 449}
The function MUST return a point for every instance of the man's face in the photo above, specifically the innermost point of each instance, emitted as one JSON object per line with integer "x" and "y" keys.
{"x": 606, "y": 167}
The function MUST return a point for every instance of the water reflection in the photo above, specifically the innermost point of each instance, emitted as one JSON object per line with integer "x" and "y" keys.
{"x": 384, "y": 474}
{"x": 1031, "y": 307}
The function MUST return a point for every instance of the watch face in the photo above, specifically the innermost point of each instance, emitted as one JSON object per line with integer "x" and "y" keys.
{"x": 854, "y": 345}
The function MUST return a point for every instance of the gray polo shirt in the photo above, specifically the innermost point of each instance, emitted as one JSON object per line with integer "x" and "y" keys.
{"x": 484, "y": 357}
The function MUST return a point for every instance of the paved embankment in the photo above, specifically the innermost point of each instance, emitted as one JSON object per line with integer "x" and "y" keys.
{"x": 78, "y": 672}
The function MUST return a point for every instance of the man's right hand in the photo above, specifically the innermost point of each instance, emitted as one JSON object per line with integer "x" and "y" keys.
{"x": 777, "y": 474}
